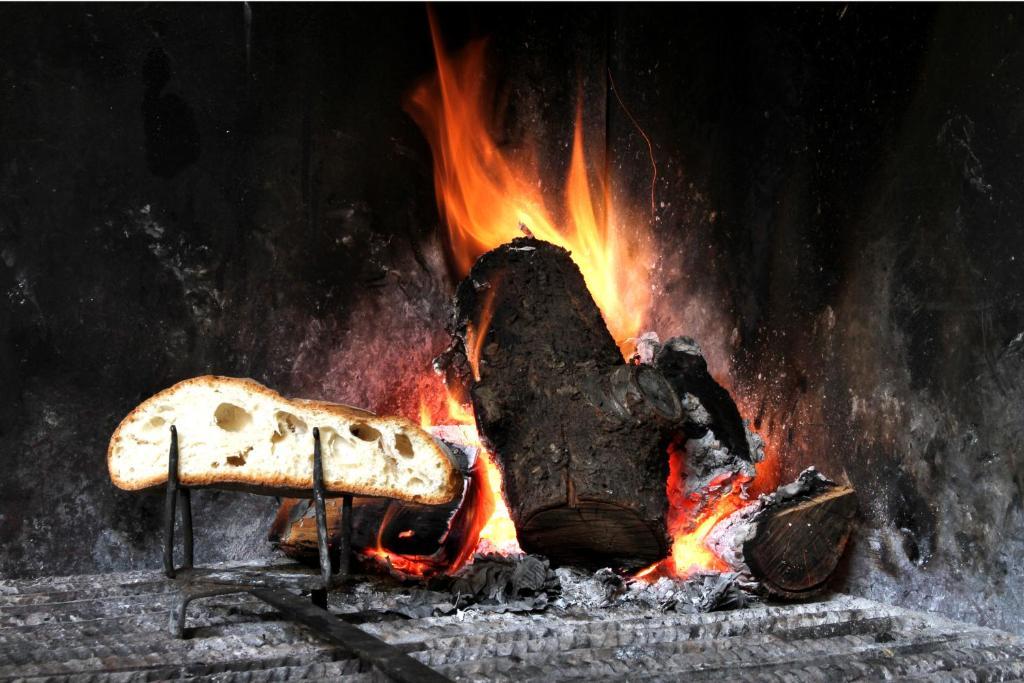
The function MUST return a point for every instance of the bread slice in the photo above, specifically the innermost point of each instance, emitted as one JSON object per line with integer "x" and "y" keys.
{"x": 238, "y": 433}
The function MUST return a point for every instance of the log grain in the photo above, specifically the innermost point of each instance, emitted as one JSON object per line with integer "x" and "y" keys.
{"x": 790, "y": 541}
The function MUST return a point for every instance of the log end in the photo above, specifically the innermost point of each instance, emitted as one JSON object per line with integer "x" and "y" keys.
{"x": 593, "y": 535}
{"x": 797, "y": 547}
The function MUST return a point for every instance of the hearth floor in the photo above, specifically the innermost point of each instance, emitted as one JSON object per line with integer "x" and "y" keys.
{"x": 113, "y": 627}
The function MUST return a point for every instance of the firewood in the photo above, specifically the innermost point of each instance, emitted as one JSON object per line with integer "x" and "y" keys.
{"x": 789, "y": 541}
{"x": 432, "y": 536}
{"x": 580, "y": 436}
{"x": 718, "y": 445}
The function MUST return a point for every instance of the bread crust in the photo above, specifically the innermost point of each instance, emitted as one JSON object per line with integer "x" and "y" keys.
{"x": 283, "y": 484}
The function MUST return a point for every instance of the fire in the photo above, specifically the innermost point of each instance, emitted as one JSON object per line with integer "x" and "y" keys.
{"x": 496, "y": 533}
{"x": 475, "y": 334}
{"x": 689, "y": 530}
{"x": 490, "y": 528}
{"x": 489, "y": 195}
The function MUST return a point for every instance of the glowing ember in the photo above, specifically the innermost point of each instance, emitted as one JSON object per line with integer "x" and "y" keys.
{"x": 489, "y": 195}
{"x": 690, "y": 555}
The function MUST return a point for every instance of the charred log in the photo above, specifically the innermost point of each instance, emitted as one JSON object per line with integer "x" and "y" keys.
{"x": 717, "y": 443}
{"x": 789, "y": 541}
{"x": 433, "y": 537}
{"x": 580, "y": 436}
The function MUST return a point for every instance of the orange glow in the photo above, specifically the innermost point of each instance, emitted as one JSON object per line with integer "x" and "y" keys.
{"x": 488, "y": 527}
{"x": 489, "y": 195}
{"x": 497, "y": 533}
{"x": 690, "y": 555}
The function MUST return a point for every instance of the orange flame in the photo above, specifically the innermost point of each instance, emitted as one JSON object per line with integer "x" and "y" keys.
{"x": 489, "y": 527}
{"x": 489, "y": 195}
{"x": 475, "y": 334}
{"x": 689, "y": 529}
{"x": 496, "y": 531}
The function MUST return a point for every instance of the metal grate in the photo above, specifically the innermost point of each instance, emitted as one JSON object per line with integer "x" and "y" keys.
{"x": 113, "y": 628}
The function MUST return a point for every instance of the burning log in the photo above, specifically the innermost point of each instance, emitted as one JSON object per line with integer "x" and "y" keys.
{"x": 718, "y": 445}
{"x": 580, "y": 435}
{"x": 789, "y": 541}
{"x": 413, "y": 539}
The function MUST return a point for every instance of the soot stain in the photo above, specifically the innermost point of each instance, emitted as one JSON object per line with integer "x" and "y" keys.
{"x": 172, "y": 135}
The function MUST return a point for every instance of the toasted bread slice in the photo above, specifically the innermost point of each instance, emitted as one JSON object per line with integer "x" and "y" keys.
{"x": 238, "y": 433}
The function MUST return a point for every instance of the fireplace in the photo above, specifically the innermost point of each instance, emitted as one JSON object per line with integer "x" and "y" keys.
{"x": 819, "y": 203}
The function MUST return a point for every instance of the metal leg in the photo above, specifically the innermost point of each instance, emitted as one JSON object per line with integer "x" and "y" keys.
{"x": 345, "y": 559}
{"x": 179, "y": 608}
{"x": 321, "y": 510}
{"x": 172, "y": 497}
{"x": 185, "y": 494}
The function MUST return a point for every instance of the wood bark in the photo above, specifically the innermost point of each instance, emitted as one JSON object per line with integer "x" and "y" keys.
{"x": 790, "y": 541}
{"x": 580, "y": 436}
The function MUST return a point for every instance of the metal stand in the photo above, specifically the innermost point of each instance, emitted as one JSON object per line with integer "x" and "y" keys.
{"x": 175, "y": 491}
{"x": 208, "y": 584}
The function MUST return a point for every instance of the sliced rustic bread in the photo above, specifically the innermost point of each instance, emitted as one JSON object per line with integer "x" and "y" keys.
{"x": 237, "y": 432}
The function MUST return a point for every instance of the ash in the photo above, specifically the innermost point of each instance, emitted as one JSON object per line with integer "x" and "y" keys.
{"x": 527, "y": 583}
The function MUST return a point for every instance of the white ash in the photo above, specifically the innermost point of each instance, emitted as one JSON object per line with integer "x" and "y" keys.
{"x": 580, "y": 588}
{"x": 700, "y": 593}
{"x": 526, "y": 583}
{"x": 647, "y": 345}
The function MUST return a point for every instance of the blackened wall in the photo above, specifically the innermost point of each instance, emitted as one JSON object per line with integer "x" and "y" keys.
{"x": 237, "y": 190}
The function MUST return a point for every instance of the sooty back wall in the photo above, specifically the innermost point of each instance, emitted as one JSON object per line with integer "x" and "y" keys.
{"x": 232, "y": 189}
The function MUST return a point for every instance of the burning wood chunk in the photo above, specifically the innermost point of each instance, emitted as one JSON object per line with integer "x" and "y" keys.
{"x": 580, "y": 435}
{"x": 789, "y": 541}
{"x": 717, "y": 442}
{"x": 411, "y": 539}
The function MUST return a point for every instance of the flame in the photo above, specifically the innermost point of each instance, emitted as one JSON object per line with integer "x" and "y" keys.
{"x": 689, "y": 527}
{"x": 497, "y": 533}
{"x": 489, "y": 195}
{"x": 489, "y": 527}
{"x": 475, "y": 334}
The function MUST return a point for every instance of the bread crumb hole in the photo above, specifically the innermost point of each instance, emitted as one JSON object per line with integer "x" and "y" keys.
{"x": 404, "y": 445}
{"x": 287, "y": 425}
{"x": 232, "y": 418}
{"x": 414, "y": 481}
{"x": 238, "y": 459}
{"x": 155, "y": 423}
{"x": 363, "y": 431}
